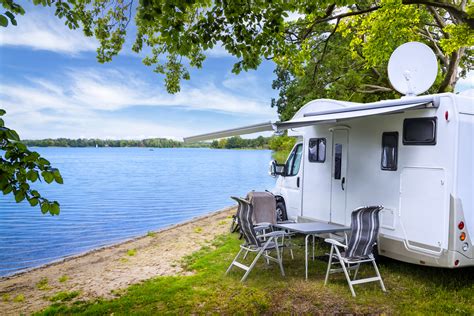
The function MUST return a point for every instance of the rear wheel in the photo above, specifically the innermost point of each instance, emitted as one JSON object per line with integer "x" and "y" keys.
{"x": 281, "y": 211}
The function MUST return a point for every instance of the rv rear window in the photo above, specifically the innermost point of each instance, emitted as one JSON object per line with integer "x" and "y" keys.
{"x": 419, "y": 131}
{"x": 389, "y": 151}
{"x": 317, "y": 150}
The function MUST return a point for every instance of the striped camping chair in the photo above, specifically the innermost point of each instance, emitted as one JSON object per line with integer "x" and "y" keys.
{"x": 364, "y": 231}
{"x": 260, "y": 244}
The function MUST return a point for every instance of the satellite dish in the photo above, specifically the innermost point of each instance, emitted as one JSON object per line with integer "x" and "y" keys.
{"x": 412, "y": 68}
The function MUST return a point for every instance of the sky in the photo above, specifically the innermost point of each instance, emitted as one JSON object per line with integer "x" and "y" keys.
{"x": 52, "y": 86}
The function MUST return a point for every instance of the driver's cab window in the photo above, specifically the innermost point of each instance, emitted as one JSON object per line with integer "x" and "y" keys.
{"x": 294, "y": 161}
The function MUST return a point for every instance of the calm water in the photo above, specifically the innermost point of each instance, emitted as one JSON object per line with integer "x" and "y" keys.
{"x": 111, "y": 194}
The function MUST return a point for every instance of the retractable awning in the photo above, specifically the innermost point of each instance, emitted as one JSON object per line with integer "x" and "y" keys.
{"x": 320, "y": 117}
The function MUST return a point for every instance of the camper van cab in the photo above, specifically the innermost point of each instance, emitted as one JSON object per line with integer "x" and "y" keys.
{"x": 416, "y": 160}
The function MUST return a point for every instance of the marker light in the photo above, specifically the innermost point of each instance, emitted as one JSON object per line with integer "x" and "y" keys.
{"x": 461, "y": 225}
{"x": 446, "y": 115}
{"x": 465, "y": 246}
{"x": 462, "y": 237}
{"x": 456, "y": 262}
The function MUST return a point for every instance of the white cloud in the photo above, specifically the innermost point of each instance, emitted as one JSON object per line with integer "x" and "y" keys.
{"x": 43, "y": 31}
{"x": 78, "y": 103}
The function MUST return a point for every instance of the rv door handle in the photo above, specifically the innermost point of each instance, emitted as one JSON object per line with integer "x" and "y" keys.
{"x": 342, "y": 183}
{"x": 298, "y": 182}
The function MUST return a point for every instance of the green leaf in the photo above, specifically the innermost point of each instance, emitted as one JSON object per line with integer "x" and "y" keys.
{"x": 32, "y": 175}
{"x": 57, "y": 176}
{"x": 47, "y": 176}
{"x": 3, "y": 21}
{"x": 44, "y": 207}
{"x": 7, "y": 189}
{"x": 35, "y": 193}
{"x": 2, "y": 112}
{"x": 43, "y": 161}
{"x": 11, "y": 134}
{"x": 19, "y": 196}
{"x": 33, "y": 201}
{"x": 54, "y": 208}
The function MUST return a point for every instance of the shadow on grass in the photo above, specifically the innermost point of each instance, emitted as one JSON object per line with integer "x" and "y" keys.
{"x": 411, "y": 289}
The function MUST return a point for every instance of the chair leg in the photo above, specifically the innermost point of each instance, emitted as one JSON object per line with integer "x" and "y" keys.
{"x": 252, "y": 265}
{"x": 235, "y": 259}
{"x": 378, "y": 275}
{"x": 280, "y": 259}
{"x": 291, "y": 247}
{"x": 356, "y": 271}
{"x": 329, "y": 264}
{"x": 245, "y": 254}
{"x": 347, "y": 276}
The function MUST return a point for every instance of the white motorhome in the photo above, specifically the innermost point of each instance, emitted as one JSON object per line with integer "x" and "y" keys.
{"x": 414, "y": 156}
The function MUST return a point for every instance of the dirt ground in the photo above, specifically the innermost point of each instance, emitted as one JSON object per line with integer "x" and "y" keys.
{"x": 101, "y": 272}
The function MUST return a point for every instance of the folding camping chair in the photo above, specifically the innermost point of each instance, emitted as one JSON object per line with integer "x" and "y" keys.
{"x": 364, "y": 230}
{"x": 260, "y": 244}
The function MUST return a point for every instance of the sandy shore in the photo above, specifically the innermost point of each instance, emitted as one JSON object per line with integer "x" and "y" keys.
{"x": 103, "y": 272}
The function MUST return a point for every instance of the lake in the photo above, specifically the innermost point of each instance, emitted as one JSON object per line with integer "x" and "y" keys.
{"x": 112, "y": 194}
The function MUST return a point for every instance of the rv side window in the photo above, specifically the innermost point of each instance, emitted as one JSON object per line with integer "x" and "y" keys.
{"x": 389, "y": 151}
{"x": 337, "y": 161}
{"x": 419, "y": 131}
{"x": 317, "y": 150}
{"x": 294, "y": 161}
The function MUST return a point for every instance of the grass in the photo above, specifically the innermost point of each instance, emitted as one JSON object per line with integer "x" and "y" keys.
{"x": 131, "y": 252}
{"x": 151, "y": 234}
{"x": 43, "y": 285}
{"x": 411, "y": 289}
{"x": 63, "y": 278}
{"x": 64, "y": 296}
{"x": 198, "y": 230}
{"x": 20, "y": 298}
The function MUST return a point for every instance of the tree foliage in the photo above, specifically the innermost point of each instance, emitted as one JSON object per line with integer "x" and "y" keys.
{"x": 20, "y": 167}
{"x": 237, "y": 142}
{"x": 178, "y": 33}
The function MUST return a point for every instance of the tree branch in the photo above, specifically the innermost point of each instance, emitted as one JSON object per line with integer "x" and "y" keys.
{"x": 457, "y": 13}
{"x": 451, "y": 73}
{"x": 316, "y": 67}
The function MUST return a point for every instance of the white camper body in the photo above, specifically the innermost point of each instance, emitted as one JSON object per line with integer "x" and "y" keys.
{"x": 416, "y": 158}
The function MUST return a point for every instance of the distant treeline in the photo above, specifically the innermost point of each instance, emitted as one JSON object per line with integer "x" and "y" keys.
{"x": 239, "y": 142}
{"x": 235, "y": 142}
{"x": 83, "y": 142}
{"x": 276, "y": 143}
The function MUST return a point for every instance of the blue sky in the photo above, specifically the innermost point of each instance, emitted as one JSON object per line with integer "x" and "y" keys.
{"x": 52, "y": 86}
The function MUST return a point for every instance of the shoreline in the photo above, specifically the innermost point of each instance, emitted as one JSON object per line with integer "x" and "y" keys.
{"x": 112, "y": 245}
{"x": 103, "y": 271}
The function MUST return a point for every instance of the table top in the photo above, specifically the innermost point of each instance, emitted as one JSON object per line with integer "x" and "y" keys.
{"x": 313, "y": 227}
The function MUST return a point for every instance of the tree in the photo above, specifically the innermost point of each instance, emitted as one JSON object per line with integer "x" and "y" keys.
{"x": 179, "y": 32}
{"x": 19, "y": 167}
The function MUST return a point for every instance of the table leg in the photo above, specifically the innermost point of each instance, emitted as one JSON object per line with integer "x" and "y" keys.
{"x": 306, "y": 255}
{"x": 313, "y": 246}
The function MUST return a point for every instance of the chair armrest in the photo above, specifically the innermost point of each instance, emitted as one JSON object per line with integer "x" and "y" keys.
{"x": 278, "y": 233}
{"x": 259, "y": 228}
{"x": 335, "y": 243}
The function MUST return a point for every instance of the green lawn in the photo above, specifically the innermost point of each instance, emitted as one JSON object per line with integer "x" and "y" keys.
{"x": 411, "y": 289}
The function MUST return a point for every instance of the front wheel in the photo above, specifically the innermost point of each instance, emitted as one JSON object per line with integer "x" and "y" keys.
{"x": 281, "y": 211}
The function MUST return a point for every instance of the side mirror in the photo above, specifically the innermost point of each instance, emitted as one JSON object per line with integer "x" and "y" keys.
{"x": 276, "y": 169}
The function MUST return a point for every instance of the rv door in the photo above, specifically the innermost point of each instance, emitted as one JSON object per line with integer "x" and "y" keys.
{"x": 292, "y": 182}
{"x": 339, "y": 174}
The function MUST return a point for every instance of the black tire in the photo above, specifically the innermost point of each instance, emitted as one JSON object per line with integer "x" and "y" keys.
{"x": 281, "y": 211}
